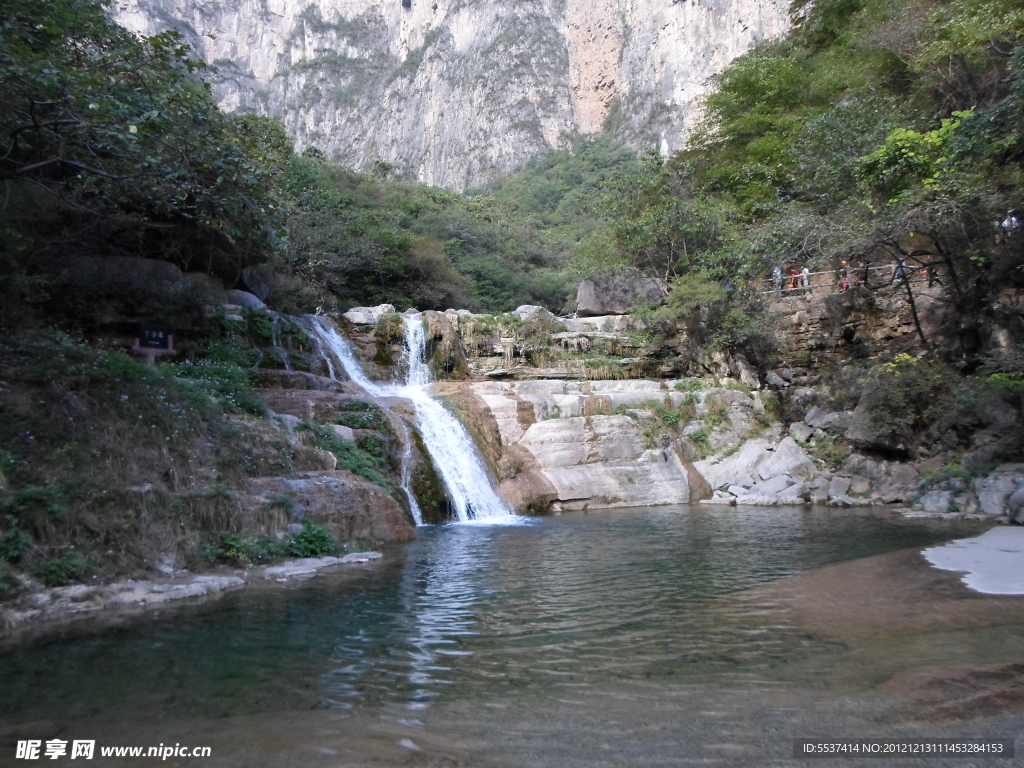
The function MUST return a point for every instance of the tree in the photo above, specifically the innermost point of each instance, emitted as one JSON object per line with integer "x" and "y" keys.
{"x": 111, "y": 142}
{"x": 658, "y": 226}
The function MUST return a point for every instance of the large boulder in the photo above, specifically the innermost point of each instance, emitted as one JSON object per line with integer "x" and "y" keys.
{"x": 254, "y": 283}
{"x": 553, "y": 449}
{"x": 743, "y": 463}
{"x": 838, "y": 486}
{"x": 865, "y": 433}
{"x": 801, "y": 431}
{"x": 245, "y": 299}
{"x": 936, "y": 502}
{"x": 612, "y": 324}
{"x": 531, "y": 312}
{"x": 354, "y": 510}
{"x": 773, "y": 486}
{"x": 448, "y": 354}
{"x": 902, "y": 478}
{"x": 994, "y": 492}
{"x": 368, "y": 315}
{"x": 1015, "y": 506}
{"x": 820, "y": 419}
{"x": 788, "y": 459}
{"x": 618, "y": 293}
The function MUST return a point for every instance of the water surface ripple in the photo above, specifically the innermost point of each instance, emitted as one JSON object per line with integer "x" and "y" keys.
{"x": 468, "y": 611}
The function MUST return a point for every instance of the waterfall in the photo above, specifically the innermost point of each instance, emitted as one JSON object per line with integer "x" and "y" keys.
{"x": 450, "y": 446}
{"x": 275, "y": 340}
{"x": 406, "y": 479}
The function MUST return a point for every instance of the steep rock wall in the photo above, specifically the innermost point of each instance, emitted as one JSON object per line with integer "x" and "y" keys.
{"x": 456, "y": 92}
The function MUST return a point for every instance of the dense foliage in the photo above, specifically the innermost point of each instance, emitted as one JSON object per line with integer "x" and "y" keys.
{"x": 874, "y": 131}
{"x": 111, "y": 144}
{"x": 359, "y": 239}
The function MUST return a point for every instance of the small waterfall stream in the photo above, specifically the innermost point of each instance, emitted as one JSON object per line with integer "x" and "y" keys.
{"x": 450, "y": 446}
{"x": 275, "y": 340}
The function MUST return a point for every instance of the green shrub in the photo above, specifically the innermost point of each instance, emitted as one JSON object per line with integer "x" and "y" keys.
{"x": 360, "y": 414}
{"x": 7, "y": 583}
{"x": 389, "y": 328}
{"x": 13, "y": 543}
{"x": 60, "y": 571}
{"x": 701, "y": 445}
{"x": 715, "y": 411}
{"x": 829, "y": 451}
{"x": 232, "y": 548}
{"x": 312, "y": 541}
{"x": 37, "y": 507}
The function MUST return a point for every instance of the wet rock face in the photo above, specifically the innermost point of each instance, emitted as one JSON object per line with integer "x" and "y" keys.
{"x": 367, "y": 79}
{"x": 354, "y": 510}
{"x": 427, "y": 486}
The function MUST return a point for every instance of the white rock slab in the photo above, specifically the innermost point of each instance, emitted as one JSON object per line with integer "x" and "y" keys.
{"x": 993, "y": 562}
{"x": 368, "y": 315}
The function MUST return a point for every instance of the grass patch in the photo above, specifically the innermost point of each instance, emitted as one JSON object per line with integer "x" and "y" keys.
{"x": 366, "y": 461}
{"x": 225, "y": 383}
{"x": 701, "y": 444}
{"x": 715, "y": 411}
{"x": 314, "y": 540}
{"x": 360, "y": 414}
{"x": 829, "y": 451}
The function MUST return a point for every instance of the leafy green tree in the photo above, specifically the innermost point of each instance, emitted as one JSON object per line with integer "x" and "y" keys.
{"x": 111, "y": 142}
{"x": 657, "y": 224}
{"x": 909, "y": 158}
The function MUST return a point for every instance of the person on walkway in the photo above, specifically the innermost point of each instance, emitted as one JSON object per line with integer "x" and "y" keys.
{"x": 794, "y": 279}
{"x": 777, "y": 279}
{"x": 1010, "y": 223}
{"x": 844, "y": 276}
{"x": 805, "y": 278}
{"x": 899, "y": 271}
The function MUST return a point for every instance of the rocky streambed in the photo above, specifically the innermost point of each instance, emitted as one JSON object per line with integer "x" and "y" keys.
{"x": 559, "y": 438}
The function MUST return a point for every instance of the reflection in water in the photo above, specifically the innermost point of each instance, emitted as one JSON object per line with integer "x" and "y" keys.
{"x": 438, "y": 597}
{"x": 469, "y": 612}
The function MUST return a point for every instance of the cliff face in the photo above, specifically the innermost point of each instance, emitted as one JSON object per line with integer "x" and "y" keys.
{"x": 456, "y": 92}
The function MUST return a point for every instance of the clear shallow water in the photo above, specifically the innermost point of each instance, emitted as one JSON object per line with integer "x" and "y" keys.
{"x": 469, "y": 612}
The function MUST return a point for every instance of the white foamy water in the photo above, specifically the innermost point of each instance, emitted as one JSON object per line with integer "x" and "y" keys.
{"x": 450, "y": 446}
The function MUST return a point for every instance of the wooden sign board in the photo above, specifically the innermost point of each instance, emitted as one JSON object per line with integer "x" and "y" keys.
{"x": 154, "y": 337}
{"x": 152, "y": 342}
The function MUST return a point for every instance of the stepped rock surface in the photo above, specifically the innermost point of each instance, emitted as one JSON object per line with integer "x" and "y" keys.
{"x": 557, "y": 445}
{"x": 456, "y": 92}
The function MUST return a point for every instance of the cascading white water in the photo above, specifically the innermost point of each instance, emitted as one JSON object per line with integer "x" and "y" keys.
{"x": 449, "y": 444}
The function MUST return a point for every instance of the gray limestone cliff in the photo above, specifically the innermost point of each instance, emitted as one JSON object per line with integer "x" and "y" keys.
{"x": 456, "y": 92}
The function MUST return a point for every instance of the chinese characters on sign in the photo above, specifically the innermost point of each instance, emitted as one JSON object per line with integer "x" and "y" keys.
{"x": 153, "y": 341}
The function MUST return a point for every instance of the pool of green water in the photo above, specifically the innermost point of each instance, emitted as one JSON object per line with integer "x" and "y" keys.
{"x": 470, "y": 619}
